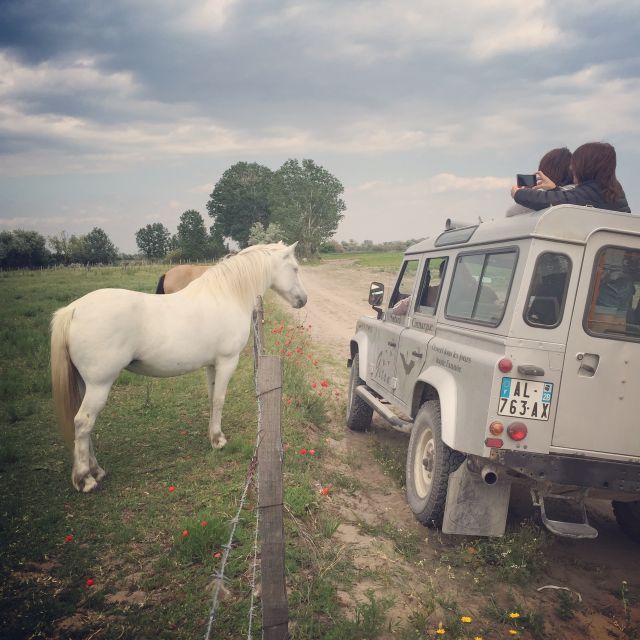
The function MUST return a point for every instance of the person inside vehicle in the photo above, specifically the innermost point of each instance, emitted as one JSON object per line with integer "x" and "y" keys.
{"x": 554, "y": 171}
{"x": 594, "y": 173}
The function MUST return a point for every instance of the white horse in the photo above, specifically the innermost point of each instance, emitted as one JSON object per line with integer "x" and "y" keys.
{"x": 205, "y": 324}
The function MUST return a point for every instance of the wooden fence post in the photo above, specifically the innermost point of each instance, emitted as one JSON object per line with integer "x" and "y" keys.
{"x": 275, "y": 609}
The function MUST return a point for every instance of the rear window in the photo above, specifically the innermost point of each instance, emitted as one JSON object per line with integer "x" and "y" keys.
{"x": 548, "y": 291}
{"x": 613, "y": 309}
{"x": 480, "y": 287}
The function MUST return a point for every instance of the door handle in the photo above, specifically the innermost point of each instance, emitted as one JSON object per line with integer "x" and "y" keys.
{"x": 417, "y": 354}
{"x": 391, "y": 344}
{"x": 588, "y": 364}
{"x": 530, "y": 370}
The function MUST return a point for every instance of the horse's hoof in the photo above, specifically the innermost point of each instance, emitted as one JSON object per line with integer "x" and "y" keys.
{"x": 84, "y": 483}
{"x": 219, "y": 442}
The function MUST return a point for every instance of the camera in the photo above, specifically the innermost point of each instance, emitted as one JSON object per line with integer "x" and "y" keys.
{"x": 527, "y": 179}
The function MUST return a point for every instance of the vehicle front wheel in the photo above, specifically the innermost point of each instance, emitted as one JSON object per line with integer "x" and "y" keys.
{"x": 359, "y": 413}
{"x": 628, "y": 517}
{"x": 429, "y": 463}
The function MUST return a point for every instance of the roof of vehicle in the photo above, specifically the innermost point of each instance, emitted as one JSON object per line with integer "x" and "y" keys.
{"x": 569, "y": 223}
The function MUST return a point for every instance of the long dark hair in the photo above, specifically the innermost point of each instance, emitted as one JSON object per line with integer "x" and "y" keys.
{"x": 597, "y": 161}
{"x": 556, "y": 164}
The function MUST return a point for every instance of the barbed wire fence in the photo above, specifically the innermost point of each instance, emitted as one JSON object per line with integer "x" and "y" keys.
{"x": 267, "y": 459}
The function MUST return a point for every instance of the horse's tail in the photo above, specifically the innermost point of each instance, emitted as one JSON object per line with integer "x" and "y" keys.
{"x": 66, "y": 382}
{"x": 160, "y": 287}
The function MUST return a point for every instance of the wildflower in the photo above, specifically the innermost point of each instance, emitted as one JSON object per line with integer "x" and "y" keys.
{"x": 204, "y": 523}
{"x": 440, "y": 630}
{"x": 513, "y": 632}
{"x": 183, "y": 433}
{"x": 303, "y": 452}
{"x": 289, "y": 401}
{"x": 68, "y": 538}
{"x": 185, "y": 533}
{"x": 217, "y": 554}
{"x": 324, "y": 384}
{"x": 325, "y": 491}
{"x": 90, "y": 582}
{"x": 477, "y": 637}
{"x": 514, "y": 614}
{"x": 172, "y": 489}
{"x": 312, "y": 452}
{"x": 313, "y": 385}
{"x": 466, "y": 619}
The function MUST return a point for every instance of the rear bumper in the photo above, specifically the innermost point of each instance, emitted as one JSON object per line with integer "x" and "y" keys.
{"x": 604, "y": 475}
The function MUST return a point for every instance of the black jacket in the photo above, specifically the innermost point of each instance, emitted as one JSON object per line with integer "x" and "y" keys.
{"x": 586, "y": 194}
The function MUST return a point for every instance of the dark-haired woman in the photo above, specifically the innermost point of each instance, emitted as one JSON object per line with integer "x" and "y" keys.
{"x": 554, "y": 172}
{"x": 594, "y": 174}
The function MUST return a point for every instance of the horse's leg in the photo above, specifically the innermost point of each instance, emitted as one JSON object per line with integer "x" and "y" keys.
{"x": 86, "y": 473}
{"x": 223, "y": 371}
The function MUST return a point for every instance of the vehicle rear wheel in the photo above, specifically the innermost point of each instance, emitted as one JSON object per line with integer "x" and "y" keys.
{"x": 628, "y": 517}
{"x": 429, "y": 463}
{"x": 359, "y": 413}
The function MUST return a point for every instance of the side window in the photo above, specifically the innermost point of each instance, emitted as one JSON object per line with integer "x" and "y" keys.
{"x": 548, "y": 290}
{"x": 480, "y": 287}
{"x": 614, "y": 305}
{"x": 401, "y": 299}
{"x": 434, "y": 270}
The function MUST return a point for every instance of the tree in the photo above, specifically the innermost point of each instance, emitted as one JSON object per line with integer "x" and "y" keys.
{"x": 20, "y": 249}
{"x": 305, "y": 202}
{"x": 240, "y": 198}
{"x": 98, "y": 247}
{"x": 259, "y": 235}
{"x": 154, "y": 240}
{"x": 192, "y": 236}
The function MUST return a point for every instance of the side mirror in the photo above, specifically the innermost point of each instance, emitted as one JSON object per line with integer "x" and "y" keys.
{"x": 376, "y": 294}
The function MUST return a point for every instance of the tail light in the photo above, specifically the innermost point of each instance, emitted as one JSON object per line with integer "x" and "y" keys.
{"x": 496, "y": 428}
{"x": 517, "y": 431}
{"x": 493, "y": 443}
{"x": 505, "y": 365}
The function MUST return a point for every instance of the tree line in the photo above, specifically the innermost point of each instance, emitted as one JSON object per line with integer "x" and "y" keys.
{"x": 299, "y": 202}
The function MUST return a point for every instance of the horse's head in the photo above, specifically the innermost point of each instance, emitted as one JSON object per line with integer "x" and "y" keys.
{"x": 286, "y": 277}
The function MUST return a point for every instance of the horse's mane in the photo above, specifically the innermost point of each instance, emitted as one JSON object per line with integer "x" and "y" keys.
{"x": 242, "y": 276}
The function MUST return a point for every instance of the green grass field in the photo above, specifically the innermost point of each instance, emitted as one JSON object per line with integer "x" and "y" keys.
{"x": 386, "y": 261}
{"x": 127, "y": 538}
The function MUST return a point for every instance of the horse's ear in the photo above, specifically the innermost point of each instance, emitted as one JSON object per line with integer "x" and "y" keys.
{"x": 292, "y": 247}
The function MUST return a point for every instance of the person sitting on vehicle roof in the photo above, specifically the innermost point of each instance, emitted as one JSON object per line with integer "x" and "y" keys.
{"x": 594, "y": 174}
{"x": 554, "y": 172}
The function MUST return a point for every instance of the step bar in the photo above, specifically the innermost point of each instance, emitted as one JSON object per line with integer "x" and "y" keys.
{"x": 404, "y": 426}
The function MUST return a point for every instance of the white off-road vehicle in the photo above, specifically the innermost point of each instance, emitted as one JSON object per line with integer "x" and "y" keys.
{"x": 510, "y": 351}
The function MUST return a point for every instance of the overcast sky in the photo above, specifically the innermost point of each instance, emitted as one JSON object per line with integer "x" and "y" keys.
{"x": 118, "y": 114}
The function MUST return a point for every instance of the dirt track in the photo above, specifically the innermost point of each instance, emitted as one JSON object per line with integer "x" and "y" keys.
{"x": 337, "y": 297}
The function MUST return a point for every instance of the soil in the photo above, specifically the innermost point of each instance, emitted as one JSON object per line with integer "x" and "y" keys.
{"x": 594, "y": 569}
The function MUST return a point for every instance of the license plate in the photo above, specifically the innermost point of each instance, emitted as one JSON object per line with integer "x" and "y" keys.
{"x": 525, "y": 399}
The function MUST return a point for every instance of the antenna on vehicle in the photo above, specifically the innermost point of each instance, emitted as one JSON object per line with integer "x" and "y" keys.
{"x": 456, "y": 224}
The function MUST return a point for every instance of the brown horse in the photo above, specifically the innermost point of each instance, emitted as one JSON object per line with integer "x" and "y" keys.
{"x": 179, "y": 277}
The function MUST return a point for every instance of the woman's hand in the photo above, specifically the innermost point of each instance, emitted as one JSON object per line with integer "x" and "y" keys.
{"x": 543, "y": 182}
{"x": 514, "y": 189}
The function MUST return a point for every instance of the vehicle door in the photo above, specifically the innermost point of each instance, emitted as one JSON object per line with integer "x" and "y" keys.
{"x": 414, "y": 340}
{"x": 599, "y": 404}
{"x": 384, "y": 346}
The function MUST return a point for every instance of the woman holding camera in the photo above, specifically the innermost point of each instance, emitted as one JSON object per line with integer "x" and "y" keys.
{"x": 594, "y": 173}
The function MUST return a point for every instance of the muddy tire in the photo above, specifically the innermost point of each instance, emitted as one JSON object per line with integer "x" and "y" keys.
{"x": 628, "y": 517}
{"x": 429, "y": 463}
{"x": 359, "y": 413}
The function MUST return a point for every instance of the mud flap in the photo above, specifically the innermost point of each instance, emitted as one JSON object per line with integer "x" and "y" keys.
{"x": 474, "y": 508}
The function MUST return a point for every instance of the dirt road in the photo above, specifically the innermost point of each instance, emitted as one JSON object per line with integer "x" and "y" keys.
{"x": 375, "y": 519}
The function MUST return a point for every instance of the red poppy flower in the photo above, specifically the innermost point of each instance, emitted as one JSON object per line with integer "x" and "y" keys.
{"x": 324, "y": 384}
{"x": 313, "y": 385}
{"x": 204, "y": 523}
{"x": 68, "y": 538}
{"x": 172, "y": 489}
{"x": 185, "y": 534}
{"x": 312, "y": 452}
{"x": 217, "y": 554}
{"x": 302, "y": 452}
{"x": 90, "y": 582}
{"x": 325, "y": 491}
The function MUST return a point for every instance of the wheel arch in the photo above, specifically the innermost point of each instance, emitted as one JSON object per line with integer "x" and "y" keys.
{"x": 435, "y": 383}
{"x": 360, "y": 344}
